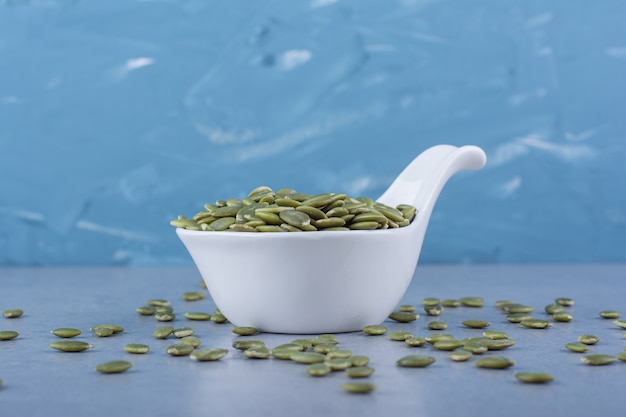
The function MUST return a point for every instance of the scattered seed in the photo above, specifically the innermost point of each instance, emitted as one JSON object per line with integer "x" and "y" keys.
{"x": 325, "y": 348}
{"x": 415, "y": 361}
{"x": 203, "y": 355}
{"x": 183, "y": 332}
{"x": 114, "y": 327}
{"x": 400, "y": 336}
{"x": 622, "y": 356}
{"x": 472, "y": 301}
{"x": 180, "y": 349}
{"x": 461, "y": 355}
{"x": 435, "y": 337}
{"x": 307, "y": 357}
{"x": 433, "y": 310}
{"x": 101, "y": 331}
{"x": 136, "y": 348}
{"x": 146, "y": 310}
{"x": 518, "y": 317}
{"x": 193, "y": 295}
{"x": 358, "y": 387}
{"x": 406, "y": 308}
{"x": 163, "y": 331}
{"x": 450, "y": 303}
{"x": 114, "y": 367}
{"x": 495, "y": 335}
{"x": 359, "y": 372}
{"x": 416, "y": 341}
{"x": 13, "y": 313}
{"x": 164, "y": 310}
{"x": 495, "y": 362}
{"x": 564, "y": 301}
{"x": 359, "y": 360}
{"x": 342, "y": 353}
{"x": 609, "y": 314}
{"x": 498, "y": 344}
{"x": 338, "y": 364}
{"x": 165, "y": 316}
{"x": 535, "y": 323}
{"x": 577, "y": 347}
{"x": 191, "y": 340}
{"x": 620, "y": 323}
{"x": 518, "y": 308}
{"x": 562, "y": 317}
{"x": 503, "y": 303}
{"x": 65, "y": 332}
{"x": 70, "y": 345}
{"x": 403, "y": 316}
{"x": 534, "y": 377}
{"x": 318, "y": 369}
{"x": 447, "y": 344}
{"x": 375, "y": 329}
{"x": 244, "y": 330}
{"x": 199, "y": 316}
{"x": 475, "y": 348}
{"x": 158, "y": 302}
{"x": 588, "y": 339}
{"x": 244, "y": 344}
{"x": 305, "y": 343}
{"x": 218, "y": 318}
{"x": 431, "y": 301}
{"x": 257, "y": 352}
{"x": 598, "y": 359}
{"x": 553, "y": 308}
{"x": 437, "y": 325}
{"x": 476, "y": 324}
{"x": 8, "y": 334}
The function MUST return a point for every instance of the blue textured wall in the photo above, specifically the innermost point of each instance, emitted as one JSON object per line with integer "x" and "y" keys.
{"x": 118, "y": 115}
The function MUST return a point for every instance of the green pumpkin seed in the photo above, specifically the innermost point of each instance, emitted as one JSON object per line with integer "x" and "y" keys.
{"x": 375, "y": 329}
{"x": 450, "y": 303}
{"x": 245, "y": 330}
{"x": 416, "y": 341}
{"x": 102, "y": 331}
{"x": 518, "y": 317}
{"x": 183, "y": 332}
{"x": 194, "y": 295}
{"x": 307, "y": 357}
{"x": 179, "y": 349}
{"x": 218, "y": 318}
{"x": 407, "y": 308}
{"x": 359, "y": 372}
{"x": 203, "y": 355}
{"x": 191, "y": 340}
{"x": 361, "y": 225}
{"x": 498, "y": 344}
{"x": 620, "y": 323}
{"x": 137, "y": 348}
{"x": 157, "y": 302}
{"x": 564, "y": 301}
{"x": 114, "y": 367}
{"x": 295, "y": 347}
{"x": 415, "y": 361}
{"x": 164, "y": 310}
{"x": 461, "y": 355}
{"x": 400, "y": 336}
{"x": 518, "y": 308}
{"x": 448, "y": 344}
{"x": 284, "y": 354}
{"x": 338, "y": 364}
{"x": 433, "y": 310}
{"x": 577, "y": 347}
{"x": 475, "y": 348}
{"x": 431, "y": 301}
{"x": 501, "y": 304}
{"x": 257, "y": 352}
{"x": 495, "y": 362}
{"x": 495, "y": 335}
{"x": 358, "y": 387}
{"x": 247, "y": 344}
{"x": 115, "y": 328}
{"x": 146, "y": 310}
{"x": 325, "y": 348}
{"x": 70, "y": 345}
{"x": 66, "y": 332}
{"x": 437, "y": 325}
{"x": 341, "y": 353}
{"x": 8, "y": 334}
{"x": 305, "y": 343}
{"x": 609, "y": 314}
{"x": 553, "y": 308}
{"x": 359, "y": 360}
{"x": 165, "y": 316}
{"x": 562, "y": 317}
{"x": 598, "y": 359}
{"x": 318, "y": 369}
{"x": 535, "y": 323}
{"x": 434, "y": 338}
{"x": 588, "y": 339}
{"x": 329, "y": 222}
{"x": 13, "y": 313}
{"x": 534, "y": 377}
{"x": 472, "y": 301}
{"x": 163, "y": 331}
{"x": 198, "y": 316}
{"x": 622, "y": 356}
{"x": 476, "y": 324}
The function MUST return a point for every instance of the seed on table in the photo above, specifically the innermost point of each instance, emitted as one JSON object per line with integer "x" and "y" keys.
{"x": 461, "y": 355}
{"x": 503, "y": 303}
{"x": 163, "y": 331}
{"x": 295, "y": 347}
{"x": 164, "y": 316}
{"x": 406, "y": 308}
{"x": 307, "y": 357}
{"x": 13, "y": 313}
{"x": 562, "y": 317}
{"x": 164, "y": 310}
{"x": 146, "y": 310}
{"x": 588, "y": 339}
{"x": 375, "y": 329}
{"x": 498, "y": 344}
{"x": 472, "y": 301}
{"x": 476, "y": 324}
{"x": 325, "y": 338}
{"x": 193, "y": 295}
{"x": 158, "y": 302}
{"x": 518, "y": 308}
{"x": 203, "y": 355}
{"x": 183, "y": 332}
{"x": 534, "y": 377}
{"x": 431, "y": 301}
{"x": 598, "y": 359}
{"x": 203, "y": 284}
{"x": 191, "y": 340}
{"x": 257, "y": 352}
{"x": 495, "y": 335}
{"x": 244, "y": 330}
{"x": 475, "y": 348}
{"x": 360, "y": 360}
{"x": 325, "y": 348}
{"x": 609, "y": 314}
{"x": 415, "y": 361}
{"x": 66, "y": 332}
{"x": 244, "y": 344}
{"x": 358, "y": 387}
{"x": 341, "y": 353}
{"x": 577, "y": 347}
{"x": 622, "y": 356}
{"x": 70, "y": 345}
{"x": 535, "y": 323}
{"x": 114, "y": 367}
{"x": 403, "y": 316}
{"x": 437, "y": 325}
{"x": 137, "y": 348}
{"x": 495, "y": 362}
{"x": 114, "y": 327}
{"x": 305, "y": 343}
{"x": 400, "y": 336}
{"x": 179, "y": 349}
{"x": 8, "y": 334}
{"x": 435, "y": 337}
{"x": 564, "y": 301}
{"x": 433, "y": 310}
{"x": 620, "y": 323}
{"x": 449, "y": 302}
{"x": 518, "y": 317}
{"x": 447, "y": 344}
{"x": 338, "y": 364}
{"x": 553, "y": 308}
{"x": 318, "y": 369}
{"x": 359, "y": 372}
{"x": 198, "y": 316}
{"x": 218, "y": 318}
{"x": 102, "y": 331}
{"x": 416, "y": 341}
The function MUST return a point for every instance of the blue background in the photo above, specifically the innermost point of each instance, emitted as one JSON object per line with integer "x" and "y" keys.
{"x": 118, "y": 115}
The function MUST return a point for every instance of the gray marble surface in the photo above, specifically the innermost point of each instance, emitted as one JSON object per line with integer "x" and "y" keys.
{"x": 39, "y": 381}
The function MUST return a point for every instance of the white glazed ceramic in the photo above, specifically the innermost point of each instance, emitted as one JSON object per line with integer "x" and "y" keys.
{"x": 326, "y": 282}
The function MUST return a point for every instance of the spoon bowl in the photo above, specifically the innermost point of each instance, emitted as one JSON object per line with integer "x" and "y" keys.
{"x": 326, "y": 282}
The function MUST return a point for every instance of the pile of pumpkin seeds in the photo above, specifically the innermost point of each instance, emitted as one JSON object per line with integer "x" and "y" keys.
{"x": 289, "y": 211}
{"x": 323, "y": 355}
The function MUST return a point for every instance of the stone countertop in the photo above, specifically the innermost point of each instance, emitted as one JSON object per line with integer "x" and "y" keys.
{"x": 39, "y": 381}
